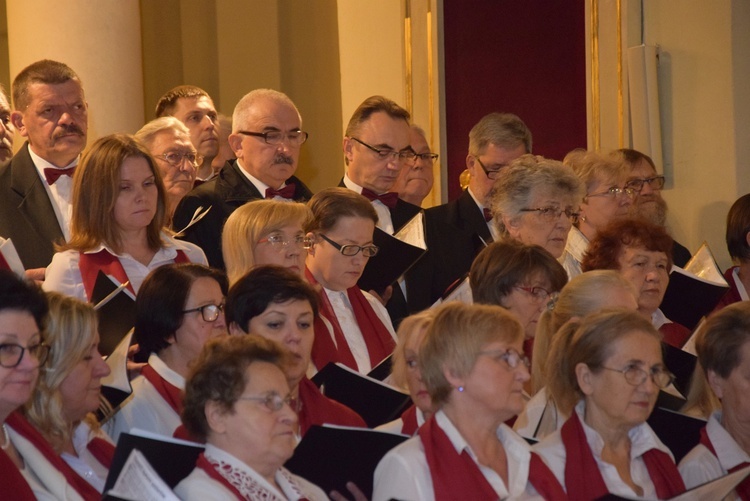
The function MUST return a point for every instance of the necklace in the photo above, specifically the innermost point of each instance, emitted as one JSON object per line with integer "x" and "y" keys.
{"x": 7, "y": 439}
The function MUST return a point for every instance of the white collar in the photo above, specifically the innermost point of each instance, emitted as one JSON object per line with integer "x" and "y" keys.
{"x": 259, "y": 185}
{"x": 42, "y": 164}
{"x": 165, "y": 372}
{"x": 728, "y": 451}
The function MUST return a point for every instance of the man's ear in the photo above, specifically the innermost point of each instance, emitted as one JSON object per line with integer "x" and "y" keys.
{"x": 16, "y": 119}
{"x": 235, "y": 142}
{"x": 348, "y": 146}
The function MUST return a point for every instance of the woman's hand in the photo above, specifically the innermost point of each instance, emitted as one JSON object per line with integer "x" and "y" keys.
{"x": 357, "y": 494}
{"x": 134, "y": 368}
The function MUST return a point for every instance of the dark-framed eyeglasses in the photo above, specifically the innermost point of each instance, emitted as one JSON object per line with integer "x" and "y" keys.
{"x": 539, "y": 294}
{"x": 615, "y": 192}
{"x": 426, "y": 157}
{"x": 636, "y": 376}
{"x": 271, "y": 400}
{"x": 279, "y": 242}
{"x": 209, "y": 312}
{"x": 551, "y": 214}
{"x": 11, "y": 354}
{"x": 509, "y": 356}
{"x": 404, "y": 155}
{"x": 656, "y": 183}
{"x": 491, "y": 174}
{"x": 276, "y": 137}
{"x": 352, "y": 250}
{"x": 175, "y": 158}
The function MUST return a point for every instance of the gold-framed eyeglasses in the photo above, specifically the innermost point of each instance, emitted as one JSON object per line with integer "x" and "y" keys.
{"x": 636, "y": 376}
{"x": 509, "y": 356}
{"x": 271, "y": 400}
{"x": 176, "y": 158}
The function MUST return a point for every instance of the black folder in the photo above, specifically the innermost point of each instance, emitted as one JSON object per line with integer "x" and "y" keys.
{"x": 681, "y": 364}
{"x": 377, "y": 402}
{"x": 393, "y": 260}
{"x": 689, "y": 298}
{"x": 331, "y": 456}
{"x": 116, "y": 316}
{"x": 677, "y": 431}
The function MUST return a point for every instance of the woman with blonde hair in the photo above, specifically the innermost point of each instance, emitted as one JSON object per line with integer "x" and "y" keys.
{"x": 117, "y": 225}
{"x": 265, "y": 232}
{"x": 69, "y": 389}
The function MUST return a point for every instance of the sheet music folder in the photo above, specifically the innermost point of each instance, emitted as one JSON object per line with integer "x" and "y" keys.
{"x": 116, "y": 316}
{"x": 392, "y": 260}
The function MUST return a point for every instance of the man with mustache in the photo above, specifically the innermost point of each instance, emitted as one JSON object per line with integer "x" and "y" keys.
{"x": 193, "y": 106}
{"x": 6, "y": 128}
{"x": 51, "y": 112}
{"x": 648, "y": 203}
{"x": 266, "y": 137}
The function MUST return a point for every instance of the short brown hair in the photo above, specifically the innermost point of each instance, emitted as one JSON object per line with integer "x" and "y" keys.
{"x": 634, "y": 157}
{"x": 719, "y": 344}
{"x": 738, "y": 226}
{"x": 454, "y": 339}
{"x": 374, "y": 104}
{"x": 168, "y": 102}
{"x": 331, "y": 204}
{"x": 588, "y": 342}
{"x": 503, "y": 265}
{"x": 46, "y": 72}
{"x": 605, "y": 249}
{"x": 96, "y": 188}
{"x": 219, "y": 375}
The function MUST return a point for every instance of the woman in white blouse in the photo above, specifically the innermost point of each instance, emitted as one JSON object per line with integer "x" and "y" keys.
{"x": 117, "y": 221}
{"x": 723, "y": 347}
{"x": 353, "y": 326}
{"x": 608, "y": 376}
{"x": 69, "y": 390}
{"x": 237, "y": 399}
{"x": 473, "y": 366}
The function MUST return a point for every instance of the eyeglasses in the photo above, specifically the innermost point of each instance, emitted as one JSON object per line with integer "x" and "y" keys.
{"x": 386, "y": 154}
{"x": 352, "y": 250}
{"x": 175, "y": 158}
{"x": 11, "y": 354}
{"x": 615, "y": 192}
{"x": 636, "y": 376}
{"x": 276, "y": 137}
{"x": 537, "y": 293}
{"x": 209, "y": 312}
{"x": 427, "y": 157}
{"x": 272, "y": 400}
{"x": 656, "y": 183}
{"x": 491, "y": 174}
{"x": 551, "y": 214}
{"x": 509, "y": 356}
{"x": 279, "y": 242}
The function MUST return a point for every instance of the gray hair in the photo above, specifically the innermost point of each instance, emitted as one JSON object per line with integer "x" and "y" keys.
{"x": 501, "y": 129}
{"x": 245, "y": 105}
{"x": 148, "y": 132}
{"x": 592, "y": 167}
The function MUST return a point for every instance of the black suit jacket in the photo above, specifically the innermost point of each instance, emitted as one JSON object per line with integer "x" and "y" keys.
{"x": 26, "y": 213}
{"x": 224, "y": 193}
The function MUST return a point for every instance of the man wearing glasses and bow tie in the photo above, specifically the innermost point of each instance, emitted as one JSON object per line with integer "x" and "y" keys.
{"x": 36, "y": 186}
{"x": 266, "y": 138}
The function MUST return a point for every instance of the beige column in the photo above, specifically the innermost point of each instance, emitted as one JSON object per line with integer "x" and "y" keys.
{"x": 100, "y": 40}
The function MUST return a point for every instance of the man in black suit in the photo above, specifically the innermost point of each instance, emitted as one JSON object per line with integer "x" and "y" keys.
{"x": 266, "y": 137}
{"x": 376, "y": 146}
{"x": 458, "y": 230}
{"x": 36, "y": 186}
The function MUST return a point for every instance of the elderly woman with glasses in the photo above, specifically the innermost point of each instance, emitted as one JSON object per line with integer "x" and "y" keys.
{"x": 353, "y": 326}
{"x": 265, "y": 232}
{"x": 237, "y": 400}
{"x": 179, "y": 308}
{"x": 607, "y": 198}
{"x": 607, "y": 379}
{"x": 535, "y": 201}
{"x": 472, "y": 364}
{"x": 723, "y": 347}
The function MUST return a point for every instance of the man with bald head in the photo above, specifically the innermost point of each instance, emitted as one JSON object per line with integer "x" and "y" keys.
{"x": 266, "y": 138}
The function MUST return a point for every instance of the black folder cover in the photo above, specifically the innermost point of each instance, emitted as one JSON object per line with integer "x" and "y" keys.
{"x": 116, "y": 317}
{"x": 681, "y": 364}
{"x": 688, "y": 298}
{"x": 332, "y": 456}
{"x": 393, "y": 260}
{"x": 678, "y": 431}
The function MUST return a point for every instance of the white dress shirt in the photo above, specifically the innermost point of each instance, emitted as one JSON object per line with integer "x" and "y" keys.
{"x": 84, "y": 463}
{"x": 404, "y": 473}
{"x": 342, "y": 307}
{"x": 198, "y": 486}
{"x": 145, "y": 408}
{"x": 575, "y": 248}
{"x": 700, "y": 465}
{"x": 540, "y": 417}
{"x": 397, "y": 425}
{"x": 60, "y": 193}
{"x": 260, "y": 185}
{"x": 490, "y": 224}
{"x": 385, "y": 222}
{"x": 642, "y": 440}
{"x": 64, "y": 274}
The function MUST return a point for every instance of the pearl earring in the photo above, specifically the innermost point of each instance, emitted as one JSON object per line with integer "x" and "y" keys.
{"x": 461, "y": 388}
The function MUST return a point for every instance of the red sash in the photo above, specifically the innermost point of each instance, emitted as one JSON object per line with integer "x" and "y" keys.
{"x": 319, "y": 409}
{"x": 102, "y": 451}
{"x": 91, "y": 264}
{"x": 584, "y": 481}
{"x": 743, "y": 489}
{"x": 204, "y": 465}
{"x": 454, "y": 476}
{"x": 169, "y": 392}
{"x": 409, "y": 418}
{"x": 544, "y": 481}
{"x": 27, "y": 431}
{"x": 12, "y": 480}
{"x": 377, "y": 338}
{"x": 674, "y": 334}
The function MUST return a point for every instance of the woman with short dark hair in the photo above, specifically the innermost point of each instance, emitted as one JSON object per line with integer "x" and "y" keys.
{"x": 738, "y": 277}
{"x": 178, "y": 309}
